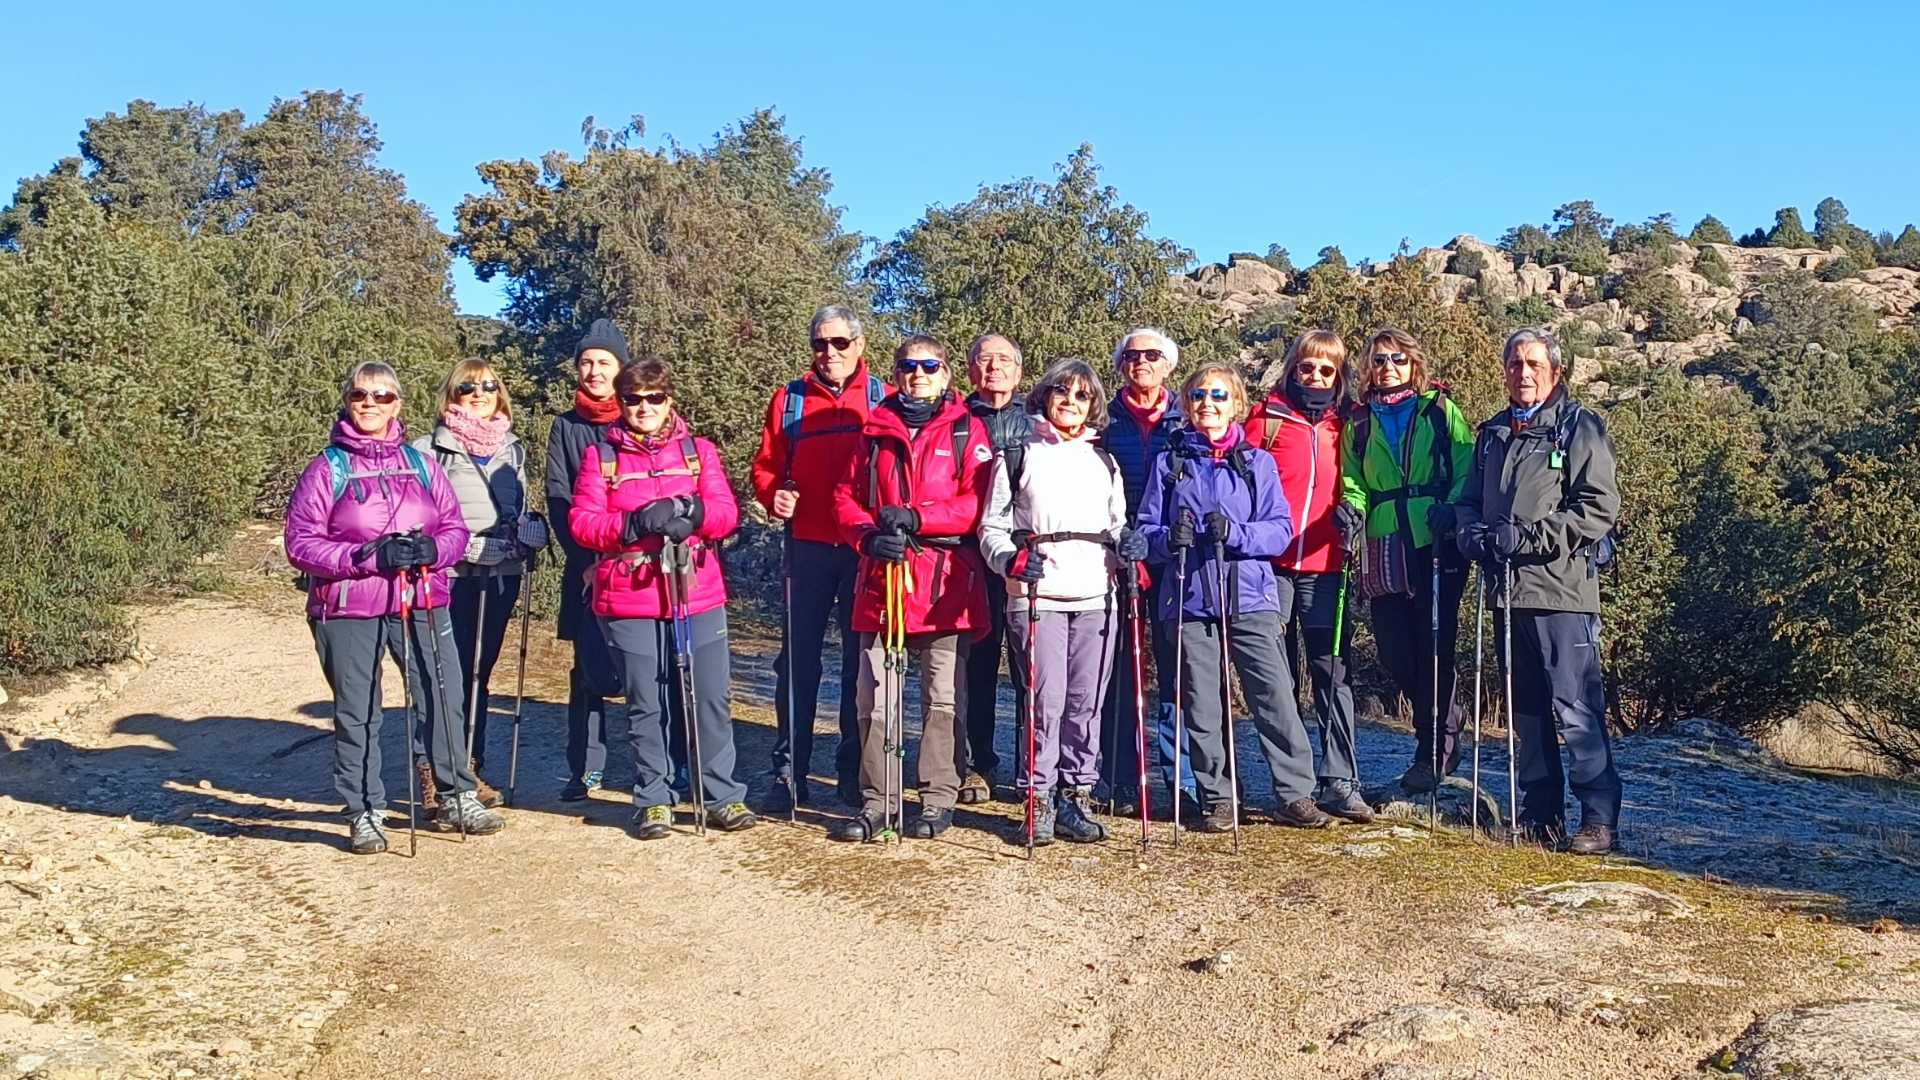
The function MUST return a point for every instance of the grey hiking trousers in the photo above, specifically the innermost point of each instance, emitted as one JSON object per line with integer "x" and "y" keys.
{"x": 1253, "y": 643}
{"x": 350, "y": 652}
{"x": 643, "y": 651}
{"x": 941, "y": 658}
{"x": 1073, "y": 658}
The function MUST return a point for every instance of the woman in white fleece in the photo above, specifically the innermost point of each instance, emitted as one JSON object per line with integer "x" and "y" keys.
{"x": 1055, "y": 527}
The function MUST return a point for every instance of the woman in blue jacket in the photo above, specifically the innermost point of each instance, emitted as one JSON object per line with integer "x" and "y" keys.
{"x": 1212, "y": 494}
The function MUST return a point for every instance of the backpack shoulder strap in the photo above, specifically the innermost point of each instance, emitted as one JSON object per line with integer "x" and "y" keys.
{"x": 418, "y": 462}
{"x": 962, "y": 434}
{"x": 1176, "y": 468}
{"x": 792, "y": 409}
{"x": 876, "y": 391}
{"x": 690, "y": 455}
{"x": 609, "y": 459}
{"x": 337, "y": 469}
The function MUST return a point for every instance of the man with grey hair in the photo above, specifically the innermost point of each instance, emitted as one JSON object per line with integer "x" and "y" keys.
{"x": 1539, "y": 508}
{"x": 813, "y": 428}
{"x": 994, "y": 368}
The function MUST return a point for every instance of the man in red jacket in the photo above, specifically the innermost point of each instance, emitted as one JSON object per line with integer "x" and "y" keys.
{"x": 911, "y": 495}
{"x": 1300, "y": 425}
{"x": 813, "y": 426}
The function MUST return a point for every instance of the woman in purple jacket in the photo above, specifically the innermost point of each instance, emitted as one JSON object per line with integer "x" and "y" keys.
{"x": 373, "y": 526}
{"x": 1212, "y": 494}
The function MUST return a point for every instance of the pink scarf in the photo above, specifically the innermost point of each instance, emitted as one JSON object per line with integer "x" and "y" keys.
{"x": 482, "y": 438}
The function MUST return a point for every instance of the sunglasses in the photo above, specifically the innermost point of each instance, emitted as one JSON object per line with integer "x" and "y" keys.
{"x": 837, "y": 344}
{"x": 486, "y": 385}
{"x": 1394, "y": 358}
{"x": 1325, "y": 371}
{"x": 378, "y": 397}
{"x": 1216, "y": 393}
{"x": 907, "y": 367}
{"x": 1080, "y": 394}
{"x": 1134, "y": 356}
{"x": 658, "y": 397}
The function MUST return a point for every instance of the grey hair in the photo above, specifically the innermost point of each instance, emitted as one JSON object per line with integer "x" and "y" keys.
{"x": 1533, "y": 335}
{"x": 1066, "y": 373}
{"x": 835, "y": 311}
{"x": 1172, "y": 347}
{"x": 973, "y": 350}
{"x": 371, "y": 371}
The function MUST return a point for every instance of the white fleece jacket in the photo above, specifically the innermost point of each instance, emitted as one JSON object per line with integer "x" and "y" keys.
{"x": 1065, "y": 486}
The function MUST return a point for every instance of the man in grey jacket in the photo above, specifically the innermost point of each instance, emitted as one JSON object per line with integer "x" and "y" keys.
{"x": 1540, "y": 505}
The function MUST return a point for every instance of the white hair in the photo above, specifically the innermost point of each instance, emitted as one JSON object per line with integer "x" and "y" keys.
{"x": 836, "y": 311}
{"x": 1167, "y": 345}
{"x": 372, "y": 371}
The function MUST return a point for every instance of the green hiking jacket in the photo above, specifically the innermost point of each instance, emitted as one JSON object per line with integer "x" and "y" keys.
{"x": 1371, "y": 479}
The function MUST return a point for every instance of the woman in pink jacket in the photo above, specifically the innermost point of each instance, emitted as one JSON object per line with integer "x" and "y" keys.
{"x": 653, "y": 490}
{"x": 373, "y": 526}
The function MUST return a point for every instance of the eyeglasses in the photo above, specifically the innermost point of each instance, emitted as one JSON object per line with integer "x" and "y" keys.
{"x": 1394, "y": 358}
{"x": 1325, "y": 371}
{"x": 838, "y": 344}
{"x": 487, "y": 385}
{"x": 907, "y": 367}
{"x": 1078, "y": 393}
{"x": 1134, "y": 356}
{"x": 658, "y": 397}
{"x": 1216, "y": 393}
{"x": 994, "y": 359}
{"x": 378, "y": 397}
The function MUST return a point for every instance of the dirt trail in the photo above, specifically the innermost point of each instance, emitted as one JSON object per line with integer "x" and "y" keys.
{"x": 225, "y": 915}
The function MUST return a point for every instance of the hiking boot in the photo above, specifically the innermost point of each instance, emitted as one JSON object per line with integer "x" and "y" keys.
{"x": 1043, "y": 821}
{"x": 653, "y": 822}
{"x": 1593, "y": 839}
{"x": 488, "y": 795}
{"x": 1073, "y": 819}
{"x": 975, "y": 789}
{"x": 782, "y": 799}
{"x": 1419, "y": 779}
{"x": 369, "y": 835}
{"x": 1342, "y": 799}
{"x": 733, "y": 817}
{"x": 1301, "y": 813}
{"x": 429, "y": 796}
{"x": 462, "y": 812}
{"x": 577, "y": 789}
{"x": 1218, "y": 818}
{"x": 861, "y": 828}
{"x": 933, "y": 821}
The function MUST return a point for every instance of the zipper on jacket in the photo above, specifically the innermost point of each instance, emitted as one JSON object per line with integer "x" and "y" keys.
{"x": 1313, "y": 473}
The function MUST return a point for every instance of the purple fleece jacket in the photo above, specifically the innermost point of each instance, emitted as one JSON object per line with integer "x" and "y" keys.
{"x": 327, "y": 539}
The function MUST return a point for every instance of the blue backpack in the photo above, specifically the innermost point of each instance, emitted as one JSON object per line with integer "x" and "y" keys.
{"x": 339, "y": 466}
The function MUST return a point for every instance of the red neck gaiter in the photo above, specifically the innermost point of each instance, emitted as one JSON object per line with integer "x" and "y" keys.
{"x": 595, "y": 411}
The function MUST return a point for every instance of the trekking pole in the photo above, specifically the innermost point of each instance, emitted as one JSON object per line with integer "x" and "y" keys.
{"x": 1226, "y": 685}
{"x": 474, "y": 705}
{"x": 1179, "y": 681}
{"x": 1513, "y": 768}
{"x": 1138, "y": 632}
{"x": 1479, "y": 662}
{"x": 1033, "y": 698}
{"x": 792, "y": 778}
{"x": 899, "y": 586}
{"x": 440, "y": 681}
{"x": 520, "y": 680}
{"x": 676, "y": 560}
{"x": 406, "y": 699}
{"x": 1433, "y": 636}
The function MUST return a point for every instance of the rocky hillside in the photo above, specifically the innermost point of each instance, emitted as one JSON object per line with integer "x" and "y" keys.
{"x": 1469, "y": 270}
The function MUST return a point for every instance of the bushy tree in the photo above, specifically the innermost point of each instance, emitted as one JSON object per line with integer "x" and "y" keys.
{"x": 1527, "y": 242}
{"x": 1832, "y": 229}
{"x": 1063, "y": 269}
{"x": 1710, "y": 231}
{"x": 1648, "y": 290}
{"x": 1903, "y": 251}
{"x": 713, "y": 259}
{"x": 1469, "y": 263}
{"x": 1710, "y": 264}
{"x": 1787, "y": 232}
{"x": 1278, "y": 258}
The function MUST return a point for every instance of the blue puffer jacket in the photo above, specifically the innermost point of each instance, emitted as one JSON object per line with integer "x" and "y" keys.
{"x": 1261, "y": 523}
{"x": 1134, "y": 455}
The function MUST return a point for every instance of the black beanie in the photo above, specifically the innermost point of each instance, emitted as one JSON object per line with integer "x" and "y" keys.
{"x": 603, "y": 335}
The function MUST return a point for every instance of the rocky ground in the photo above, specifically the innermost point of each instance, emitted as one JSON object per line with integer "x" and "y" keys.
{"x": 175, "y": 902}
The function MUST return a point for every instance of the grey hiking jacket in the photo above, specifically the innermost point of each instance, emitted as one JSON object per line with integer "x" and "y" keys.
{"x": 1565, "y": 503}
{"x": 493, "y": 497}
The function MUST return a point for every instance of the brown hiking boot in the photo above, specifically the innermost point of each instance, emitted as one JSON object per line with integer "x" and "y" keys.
{"x": 975, "y": 789}
{"x": 488, "y": 795}
{"x": 429, "y": 798}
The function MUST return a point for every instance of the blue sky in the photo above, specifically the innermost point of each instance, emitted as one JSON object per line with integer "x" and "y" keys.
{"x": 1233, "y": 125}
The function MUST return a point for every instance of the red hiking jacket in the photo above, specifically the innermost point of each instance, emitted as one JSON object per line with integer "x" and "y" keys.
{"x": 892, "y": 468}
{"x": 830, "y": 426}
{"x": 627, "y": 583}
{"x": 1308, "y": 455}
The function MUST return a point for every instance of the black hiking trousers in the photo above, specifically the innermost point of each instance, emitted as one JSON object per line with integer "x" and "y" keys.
{"x": 1403, "y": 637}
{"x": 1558, "y": 696}
{"x": 823, "y": 581}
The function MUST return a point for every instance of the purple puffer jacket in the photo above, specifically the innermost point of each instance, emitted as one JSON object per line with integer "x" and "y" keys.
{"x": 325, "y": 538}
{"x": 1260, "y": 523}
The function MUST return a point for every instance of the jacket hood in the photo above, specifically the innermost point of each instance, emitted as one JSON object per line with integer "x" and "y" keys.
{"x": 354, "y": 441}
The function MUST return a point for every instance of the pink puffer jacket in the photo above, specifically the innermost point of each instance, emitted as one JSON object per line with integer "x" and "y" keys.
{"x": 627, "y": 583}
{"x": 327, "y": 537}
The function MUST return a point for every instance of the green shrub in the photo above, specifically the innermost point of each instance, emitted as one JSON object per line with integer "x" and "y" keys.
{"x": 1710, "y": 264}
{"x": 1530, "y": 311}
{"x": 1710, "y": 231}
{"x": 1467, "y": 263}
{"x": 1839, "y": 269}
{"x": 1659, "y": 297}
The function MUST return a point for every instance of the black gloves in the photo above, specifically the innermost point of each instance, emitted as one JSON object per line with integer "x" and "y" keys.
{"x": 425, "y": 552}
{"x": 885, "y": 546}
{"x": 676, "y": 519}
{"x": 1349, "y": 521}
{"x": 1026, "y": 566}
{"x": 1473, "y": 542}
{"x": 1440, "y": 519}
{"x": 1022, "y": 538}
{"x": 393, "y": 551}
{"x": 1181, "y": 535}
{"x": 899, "y": 519}
{"x": 654, "y": 516}
{"x": 1504, "y": 539}
{"x": 678, "y": 529}
{"x": 1219, "y": 529}
{"x": 1132, "y": 546}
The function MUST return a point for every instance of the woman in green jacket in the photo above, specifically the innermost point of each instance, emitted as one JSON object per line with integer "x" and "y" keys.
{"x": 1405, "y": 455}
